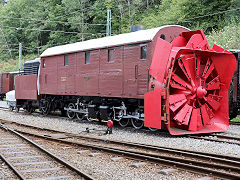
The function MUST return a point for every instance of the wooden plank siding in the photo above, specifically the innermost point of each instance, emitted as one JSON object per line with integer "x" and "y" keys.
{"x": 49, "y": 76}
{"x": 1, "y": 84}
{"x": 26, "y": 87}
{"x": 111, "y": 73}
{"x": 70, "y": 69}
{"x": 6, "y": 81}
{"x": 120, "y": 77}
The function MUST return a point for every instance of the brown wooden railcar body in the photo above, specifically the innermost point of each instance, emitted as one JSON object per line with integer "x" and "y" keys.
{"x": 26, "y": 86}
{"x": 125, "y": 76}
{"x": 6, "y": 83}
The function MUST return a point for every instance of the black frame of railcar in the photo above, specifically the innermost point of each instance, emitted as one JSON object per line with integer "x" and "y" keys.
{"x": 234, "y": 89}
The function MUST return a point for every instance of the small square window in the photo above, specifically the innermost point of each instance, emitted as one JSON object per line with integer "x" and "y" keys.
{"x": 66, "y": 61}
{"x": 43, "y": 63}
{"x": 143, "y": 52}
{"x": 87, "y": 58}
{"x": 110, "y": 55}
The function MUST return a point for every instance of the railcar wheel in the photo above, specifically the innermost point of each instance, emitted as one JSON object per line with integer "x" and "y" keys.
{"x": 70, "y": 113}
{"x": 80, "y": 116}
{"x": 63, "y": 112}
{"x": 17, "y": 109}
{"x": 44, "y": 106}
{"x": 123, "y": 122}
{"x": 152, "y": 129}
{"x": 30, "y": 110}
{"x": 137, "y": 123}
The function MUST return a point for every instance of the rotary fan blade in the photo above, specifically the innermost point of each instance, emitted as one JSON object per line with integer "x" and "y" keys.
{"x": 176, "y": 85}
{"x": 214, "y": 84}
{"x": 184, "y": 69}
{"x": 208, "y": 69}
{"x": 196, "y": 120}
{"x": 197, "y": 66}
{"x": 189, "y": 64}
{"x": 176, "y": 101}
{"x": 205, "y": 116}
{"x": 180, "y": 81}
{"x": 212, "y": 102}
{"x": 183, "y": 116}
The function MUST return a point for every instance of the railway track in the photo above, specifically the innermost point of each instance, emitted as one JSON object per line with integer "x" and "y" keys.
{"x": 205, "y": 163}
{"x": 28, "y": 160}
{"x": 218, "y": 138}
{"x": 214, "y": 137}
{"x": 234, "y": 123}
{"x": 4, "y": 108}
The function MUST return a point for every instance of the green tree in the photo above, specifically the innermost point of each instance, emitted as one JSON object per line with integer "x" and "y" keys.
{"x": 190, "y": 13}
{"x": 39, "y": 24}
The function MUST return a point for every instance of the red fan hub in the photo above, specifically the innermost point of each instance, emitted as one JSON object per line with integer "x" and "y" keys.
{"x": 201, "y": 92}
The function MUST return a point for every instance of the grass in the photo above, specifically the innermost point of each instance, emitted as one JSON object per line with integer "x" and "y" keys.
{"x": 12, "y": 65}
{"x": 236, "y": 119}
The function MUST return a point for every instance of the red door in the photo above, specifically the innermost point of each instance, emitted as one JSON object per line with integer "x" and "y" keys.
{"x": 142, "y": 71}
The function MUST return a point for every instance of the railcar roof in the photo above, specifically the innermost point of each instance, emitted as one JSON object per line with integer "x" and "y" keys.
{"x": 33, "y": 61}
{"x": 12, "y": 72}
{"x": 127, "y": 38}
{"x": 235, "y": 50}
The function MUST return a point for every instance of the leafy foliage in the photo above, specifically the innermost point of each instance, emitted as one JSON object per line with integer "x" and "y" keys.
{"x": 193, "y": 14}
{"x": 12, "y": 65}
{"x": 39, "y": 24}
{"x": 228, "y": 37}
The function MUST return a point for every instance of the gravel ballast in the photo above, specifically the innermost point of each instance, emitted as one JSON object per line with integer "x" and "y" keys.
{"x": 129, "y": 134}
{"x": 102, "y": 167}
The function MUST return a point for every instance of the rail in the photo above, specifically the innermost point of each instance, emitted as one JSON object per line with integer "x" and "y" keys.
{"x": 218, "y": 165}
{"x": 45, "y": 151}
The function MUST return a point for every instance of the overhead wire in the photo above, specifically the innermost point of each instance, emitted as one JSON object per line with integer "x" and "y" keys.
{"x": 64, "y": 22}
{"x": 9, "y": 49}
{"x": 80, "y": 10}
{"x": 212, "y": 14}
{"x": 47, "y": 30}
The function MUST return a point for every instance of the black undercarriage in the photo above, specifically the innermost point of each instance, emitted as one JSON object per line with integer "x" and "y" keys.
{"x": 122, "y": 110}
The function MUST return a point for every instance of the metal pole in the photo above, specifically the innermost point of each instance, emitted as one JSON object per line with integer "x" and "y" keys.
{"x": 108, "y": 22}
{"x": 20, "y": 57}
{"x": 129, "y": 12}
{"x": 82, "y": 21}
{"x": 4, "y": 38}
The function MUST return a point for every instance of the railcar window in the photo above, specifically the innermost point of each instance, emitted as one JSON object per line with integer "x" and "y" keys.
{"x": 143, "y": 52}
{"x": 110, "y": 55}
{"x": 44, "y": 63}
{"x": 87, "y": 58}
{"x": 66, "y": 61}
{"x": 162, "y": 36}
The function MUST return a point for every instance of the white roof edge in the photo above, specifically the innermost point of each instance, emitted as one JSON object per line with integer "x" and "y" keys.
{"x": 235, "y": 50}
{"x": 12, "y": 72}
{"x": 127, "y": 38}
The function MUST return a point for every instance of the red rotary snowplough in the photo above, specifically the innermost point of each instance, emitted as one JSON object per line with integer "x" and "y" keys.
{"x": 189, "y": 85}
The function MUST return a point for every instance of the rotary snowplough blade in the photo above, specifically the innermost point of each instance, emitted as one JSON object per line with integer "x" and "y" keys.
{"x": 194, "y": 85}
